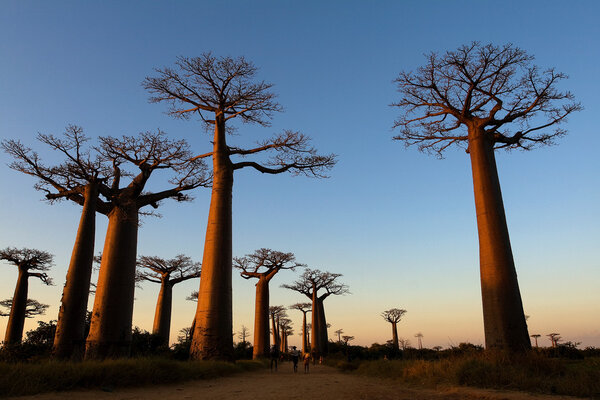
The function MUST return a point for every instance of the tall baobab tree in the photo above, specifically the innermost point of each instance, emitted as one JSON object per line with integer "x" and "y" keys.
{"x": 167, "y": 273}
{"x": 420, "y": 342}
{"x": 535, "y": 337}
{"x": 285, "y": 330}
{"x": 31, "y": 263}
{"x": 137, "y": 158}
{"x": 276, "y": 312}
{"x": 32, "y": 309}
{"x": 218, "y": 90}
{"x": 309, "y": 284}
{"x": 76, "y": 179}
{"x": 304, "y": 308}
{"x": 263, "y": 264}
{"x": 393, "y": 316}
{"x": 472, "y": 97}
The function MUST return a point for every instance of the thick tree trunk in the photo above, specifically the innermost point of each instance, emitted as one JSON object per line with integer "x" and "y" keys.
{"x": 162, "y": 316}
{"x": 395, "y": 335}
{"x": 304, "y": 337}
{"x": 261, "y": 320}
{"x": 214, "y": 324}
{"x": 324, "y": 339}
{"x": 315, "y": 347}
{"x": 110, "y": 330}
{"x": 503, "y": 316}
{"x": 69, "y": 340}
{"x": 274, "y": 328}
{"x": 16, "y": 319}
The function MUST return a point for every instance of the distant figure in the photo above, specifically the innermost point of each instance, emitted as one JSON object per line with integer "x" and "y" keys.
{"x": 306, "y": 362}
{"x": 314, "y": 357}
{"x": 295, "y": 356}
{"x": 274, "y": 357}
{"x": 385, "y": 357}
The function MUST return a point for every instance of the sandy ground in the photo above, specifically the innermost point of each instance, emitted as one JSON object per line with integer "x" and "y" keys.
{"x": 321, "y": 383}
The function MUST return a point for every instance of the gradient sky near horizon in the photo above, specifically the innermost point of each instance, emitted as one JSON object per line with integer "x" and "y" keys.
{"x": 398, "y": 224}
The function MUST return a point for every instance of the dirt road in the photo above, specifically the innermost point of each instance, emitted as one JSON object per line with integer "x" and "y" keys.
{"x": 321, "y": 383}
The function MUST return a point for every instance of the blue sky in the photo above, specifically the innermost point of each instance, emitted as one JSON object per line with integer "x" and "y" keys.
{"x": 399, "y": 224}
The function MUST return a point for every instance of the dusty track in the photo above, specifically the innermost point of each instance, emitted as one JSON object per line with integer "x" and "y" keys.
{"x": 321, "y": 383}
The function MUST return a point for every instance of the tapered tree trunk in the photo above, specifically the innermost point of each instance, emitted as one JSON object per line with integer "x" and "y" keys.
{"x": 69, "y": 340}
{"x": 395, "y": 335}
{"x": 162, "y": 316}
{"x": 110, "y": 330}
{"x": 214, "y": 324}
{"x": 315, "y": 347}
{"x": 261, "y": 320}
{"x": 304, "y": 336}
{"x": 324, "y": 339}
{"x": 16, "y": 319}
{"x": 503, "y": 316}
{"x": 274, "y": 328}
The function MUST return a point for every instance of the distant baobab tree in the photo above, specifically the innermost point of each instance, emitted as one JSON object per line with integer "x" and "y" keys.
{"x": 276, "y": 312}
{"x": 137, "y": 158}
{"x": 347, "y": 339}
{"x": 309, "y": 284}
{"x": 167, "y": 273}
{"x": 535, "y": 337}
{"x": 263, "y": 264}
{"x": 30, "y": 263}
{"x": 404, "y": 343}
{"x": 285, "y": 330}
{"x": 393, "y": 316}
{"x": 218, "y": 90}
{"x": 243, "y": 334}
{"x": 33, "y": 308}
{"x": 304, "y": 308}
{"x": 77, "y": 179}
{"x": 338, "y": 333}
{"x": 419, "y": 336}
{"x": 472, "y": 97}
{"x": 193, "y": 297}
{"x": 554, "y": 338}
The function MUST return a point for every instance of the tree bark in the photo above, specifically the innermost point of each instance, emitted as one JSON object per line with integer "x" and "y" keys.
{"x": 214, "y": 324}
{"x": 69, "y": 340}
{"x": 304, "y": 337}
{"x": 261, "y": 320}
{"x": 162, "y": 316}
{"x": 16, "y": 319}
{"x": 395, "y": 335}
{"x": 503, "y": 316}
{"x": 110, "y": 330}
{"x": 274, "y": 327}
{"x": 315, "y": 347}
{"x": 324, "y": 339}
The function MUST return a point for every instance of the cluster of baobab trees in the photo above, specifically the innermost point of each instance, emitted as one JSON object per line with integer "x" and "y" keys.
{"x": 480, "y": 97}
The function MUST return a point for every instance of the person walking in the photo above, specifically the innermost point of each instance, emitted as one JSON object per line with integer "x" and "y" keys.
{"x": 295, "y": 357}
{"x": 306, "y": 358}
{"x": 274, "y": 357}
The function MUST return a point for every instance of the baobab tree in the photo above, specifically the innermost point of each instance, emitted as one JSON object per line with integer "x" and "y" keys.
{"x": 32, "y": 309}
{"x": 484, "y": 98}
{"x": 285, "y": 330}
{"x": 76, "y": 179}
{"x": 167, "y": 273}
{"x": 535, "y": 337}
{"x": 30, "y": 263}
{"x": 244, "y": 333}
{"x": 218, "y": 90}
{"x": 137, "y": 158}
{"x": 276, "y": 312}
{"x": 419, "y": 336}
{"x": 304, "y": 308}
{"x": 554, "y": 338}
{"x": 393, "y": 316}
{"x": 263, "y": 264}
{"x": 338, "y": 333}
{"x": 309, "y": 284}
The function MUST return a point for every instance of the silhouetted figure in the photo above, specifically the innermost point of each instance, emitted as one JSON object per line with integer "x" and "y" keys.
{"x": 274, "y": 356}
{"x": 306, "y": 362}
{"x": 295, "y": 357}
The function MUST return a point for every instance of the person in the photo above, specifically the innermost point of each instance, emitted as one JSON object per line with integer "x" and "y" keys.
{"x": 274, "y": 357}
{"x": 295, "y": 356}
{"x": 306, "y": 362}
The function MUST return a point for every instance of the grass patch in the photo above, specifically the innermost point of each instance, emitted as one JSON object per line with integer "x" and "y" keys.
{"x": 31, "y": 378}
{"x": 532, "y": 373}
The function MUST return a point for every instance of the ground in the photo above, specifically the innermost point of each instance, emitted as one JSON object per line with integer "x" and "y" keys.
{"x": 321, "y": 383}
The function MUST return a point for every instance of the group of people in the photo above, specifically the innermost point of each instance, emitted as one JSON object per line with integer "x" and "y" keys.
{"x": 295, "y": 358}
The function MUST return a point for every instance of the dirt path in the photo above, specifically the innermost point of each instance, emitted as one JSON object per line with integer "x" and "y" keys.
{"x": 322, "y": 383}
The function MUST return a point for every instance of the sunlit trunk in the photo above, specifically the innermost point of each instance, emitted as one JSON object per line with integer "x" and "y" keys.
{"x": 274, "y": 329}
{"x": 324, "y": 339}
{"x": 110, "y": 330}
{"x": 315, "y": 347}
{"x": 395, "y": 335}
{"x": 261, "y": 320}
{"x": 16, "y": 319}
{"x": 304, "y": 337}
{"x": 214, "y": 324}
{"x": 69, "y": 340}
{"x": 162, "y": 316}
{"x": 503, "y": 316}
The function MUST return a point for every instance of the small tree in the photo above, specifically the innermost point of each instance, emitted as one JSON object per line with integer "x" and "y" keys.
{"x": 33, "y": 308}
{"x": 535, "y": 337}
{"x": 338, "y": 333}
{"x": 218, "y": 90}
{"x": 472, "y": 97}
{"x": 263, "y": 264}
{"x": 393, "y": 316}
{"x": 167, "y": 273}
{"x": 419, "y": 336}
{"x": 304, "y": 308}
{"x": 31, "y": 263}
{"x": 554, "y": 338}
{"x": 243, "y": 334}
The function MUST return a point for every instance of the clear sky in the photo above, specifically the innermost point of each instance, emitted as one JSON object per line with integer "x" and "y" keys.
{"x": 400, "y": 225}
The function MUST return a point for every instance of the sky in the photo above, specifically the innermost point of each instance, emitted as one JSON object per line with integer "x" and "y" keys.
{"x": 398, "y": 224}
